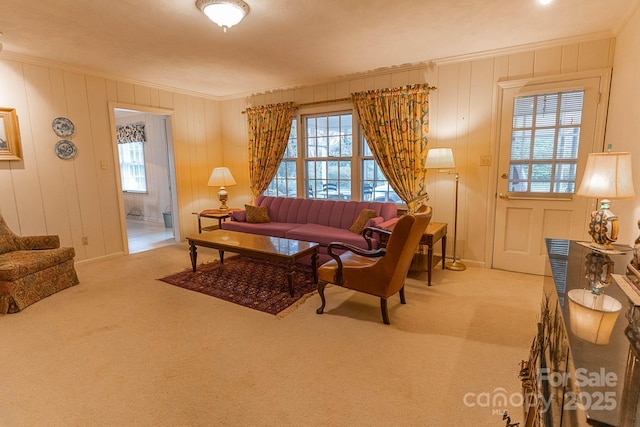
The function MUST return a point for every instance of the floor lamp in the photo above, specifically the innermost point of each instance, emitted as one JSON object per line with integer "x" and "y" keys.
{"x": 442, "y": 159}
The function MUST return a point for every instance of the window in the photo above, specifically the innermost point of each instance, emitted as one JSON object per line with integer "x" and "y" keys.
{"x": 324, "y": 162}
{"x": 329, "y": 152}
{"x": 132, "y": 167}
{"x": 374, "y": 185}
{"x": 544, "y": 143}
{"x": 284, "y": 183}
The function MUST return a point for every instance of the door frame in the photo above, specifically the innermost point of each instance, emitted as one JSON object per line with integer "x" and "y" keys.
{"x": 599, "y": 133}
{"x": 168, "y": 114}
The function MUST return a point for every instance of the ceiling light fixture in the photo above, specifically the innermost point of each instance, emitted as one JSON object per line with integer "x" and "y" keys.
{"x": 225, "y": 13}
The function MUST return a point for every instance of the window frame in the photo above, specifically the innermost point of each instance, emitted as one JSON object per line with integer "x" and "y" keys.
{"x": 554, "y": 160}
{"x": 323, "y": 190}
{"x": 356, "y": 159}
{"x": 126, "y": 167}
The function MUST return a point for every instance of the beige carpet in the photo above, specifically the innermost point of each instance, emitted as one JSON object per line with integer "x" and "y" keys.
{"x": 124, "y": 349}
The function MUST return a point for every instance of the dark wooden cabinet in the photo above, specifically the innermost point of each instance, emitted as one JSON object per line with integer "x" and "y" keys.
{"x": 569, "y": 380}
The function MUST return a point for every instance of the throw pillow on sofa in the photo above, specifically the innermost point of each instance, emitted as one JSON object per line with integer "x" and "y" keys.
{"x": 257, "y": 214}
{"x": 362, "y": 220}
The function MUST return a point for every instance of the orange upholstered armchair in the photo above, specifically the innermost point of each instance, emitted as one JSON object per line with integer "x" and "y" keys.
{"x": 380, "y": 272}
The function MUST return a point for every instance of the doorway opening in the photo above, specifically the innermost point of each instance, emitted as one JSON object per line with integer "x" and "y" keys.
{"x": 146, "y": 177}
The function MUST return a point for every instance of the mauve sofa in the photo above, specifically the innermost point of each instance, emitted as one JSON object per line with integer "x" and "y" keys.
{"x": 313, "y": 220}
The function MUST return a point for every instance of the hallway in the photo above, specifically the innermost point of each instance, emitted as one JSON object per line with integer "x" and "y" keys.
{"x": 146, "y": 235}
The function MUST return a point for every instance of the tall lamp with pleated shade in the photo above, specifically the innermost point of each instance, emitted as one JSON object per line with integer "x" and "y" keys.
{"x": 606, "y": 176}
{"x": 442, "y": 159}
{"x": 221, "y": 177}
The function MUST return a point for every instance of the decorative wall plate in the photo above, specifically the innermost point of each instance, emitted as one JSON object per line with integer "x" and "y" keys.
{"x": 66, "y": 149}
{"x": 63, "y": 127}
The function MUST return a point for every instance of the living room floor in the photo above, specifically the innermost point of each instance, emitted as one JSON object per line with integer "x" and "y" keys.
{"x": 123, "y": 348}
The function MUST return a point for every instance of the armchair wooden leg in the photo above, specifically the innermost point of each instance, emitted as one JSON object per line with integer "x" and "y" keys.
{"x": 402, "y": 298}
{"x": 385, "y": 313}
{"x": 321, "y": 286}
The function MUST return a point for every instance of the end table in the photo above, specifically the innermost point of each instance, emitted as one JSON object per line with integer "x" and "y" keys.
{"x": 218, "y": 214}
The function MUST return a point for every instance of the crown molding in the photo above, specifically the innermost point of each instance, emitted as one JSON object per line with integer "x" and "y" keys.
{"x": 11, "y": 56}
{"x": 371, "y": 73}
{"x": 632, "y": 8}
{"x": 445, "y": 60}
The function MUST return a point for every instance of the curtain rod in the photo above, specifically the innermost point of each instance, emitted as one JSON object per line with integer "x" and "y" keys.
{"x": 306, "y": 104}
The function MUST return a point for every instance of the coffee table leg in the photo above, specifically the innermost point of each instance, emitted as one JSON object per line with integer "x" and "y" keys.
{"x": 291, "y": 276}
{"x": 193, "y": 253}
{"x": 314, "y": 266}
{"x": 221, "y": 253}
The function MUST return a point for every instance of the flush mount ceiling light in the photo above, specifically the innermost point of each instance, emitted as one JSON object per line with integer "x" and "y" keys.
{"x": 225, "y": 13}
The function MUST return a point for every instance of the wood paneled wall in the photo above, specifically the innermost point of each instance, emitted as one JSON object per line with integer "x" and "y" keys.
{"x": 462, "y": 116}
{"x": 623, "y": 124}
{"x": 42, "y": 194}
{"x": 77, "y": 198}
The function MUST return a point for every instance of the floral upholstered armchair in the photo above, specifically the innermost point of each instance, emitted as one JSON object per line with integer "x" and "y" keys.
{"x": 32, "y": 268}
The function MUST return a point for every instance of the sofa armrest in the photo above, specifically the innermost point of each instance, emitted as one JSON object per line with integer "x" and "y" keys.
{"x": 27, "y": 243}
{"x": 383, "y": 235}
{"x": 388, "y": 224}
{"x": 238, "y": 215}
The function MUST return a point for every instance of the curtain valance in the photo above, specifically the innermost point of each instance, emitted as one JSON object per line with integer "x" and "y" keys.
{"x": 133, "y": 132}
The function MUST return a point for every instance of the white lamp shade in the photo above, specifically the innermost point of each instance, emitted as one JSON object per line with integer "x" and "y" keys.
{"x": 221, "y": 177}
{"x": 440, "y": 158}
{"x": 225, "y": 13}
{"x": 607, "y": 175}
{"x": 592, "y": 317}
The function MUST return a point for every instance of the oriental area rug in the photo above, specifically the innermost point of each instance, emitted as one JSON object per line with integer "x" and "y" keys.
{"x": 250, "y": 282}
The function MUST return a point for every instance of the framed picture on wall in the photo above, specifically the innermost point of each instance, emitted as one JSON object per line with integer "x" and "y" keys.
{"x": 9, "y": 135}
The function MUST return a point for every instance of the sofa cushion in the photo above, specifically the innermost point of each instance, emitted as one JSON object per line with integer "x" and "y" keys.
{"x": 239, "y": 215}
{"x": 362, "y": 220}
{"x": 275, "y": 229}
{"x": 324, "y": 235}
{"x": 332, "y": 213}
{"x": 17, "y": 264}
{"x": 257, "y": 214}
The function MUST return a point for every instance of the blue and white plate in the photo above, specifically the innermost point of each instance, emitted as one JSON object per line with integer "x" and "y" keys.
{"x": 66, "y": 149}
{"x": 63, "y": 127}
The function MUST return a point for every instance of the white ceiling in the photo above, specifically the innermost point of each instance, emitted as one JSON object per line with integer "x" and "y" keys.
{"x": 283, "y": 43}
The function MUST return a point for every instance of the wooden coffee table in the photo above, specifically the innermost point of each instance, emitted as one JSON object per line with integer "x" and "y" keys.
{"x": 286, "y": 251}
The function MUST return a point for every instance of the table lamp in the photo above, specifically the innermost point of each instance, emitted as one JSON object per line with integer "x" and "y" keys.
{"x": 442, "y": 159}
{"x": 221, "y": 177}
{"x": 607, "y": 176}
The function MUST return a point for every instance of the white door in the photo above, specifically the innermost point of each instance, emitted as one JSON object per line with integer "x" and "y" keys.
{"x": 546, "y": 133}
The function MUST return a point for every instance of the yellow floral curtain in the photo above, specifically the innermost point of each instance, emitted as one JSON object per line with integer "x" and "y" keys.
{"x": 395, "y": 123}
{"x": 269, "y": 127}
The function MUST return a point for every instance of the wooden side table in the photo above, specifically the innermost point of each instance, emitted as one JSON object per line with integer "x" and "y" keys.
{"x": 218, "y": 214}
{"x": 435, "y": 231}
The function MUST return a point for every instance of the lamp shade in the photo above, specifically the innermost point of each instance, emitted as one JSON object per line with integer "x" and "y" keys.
{"x": 221, "y": 177}
{"x": 607, "y": 175}
{"x": 592, "y": 316}
{"x": 225, "y": 13}
{"x": 440, "y": 158}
